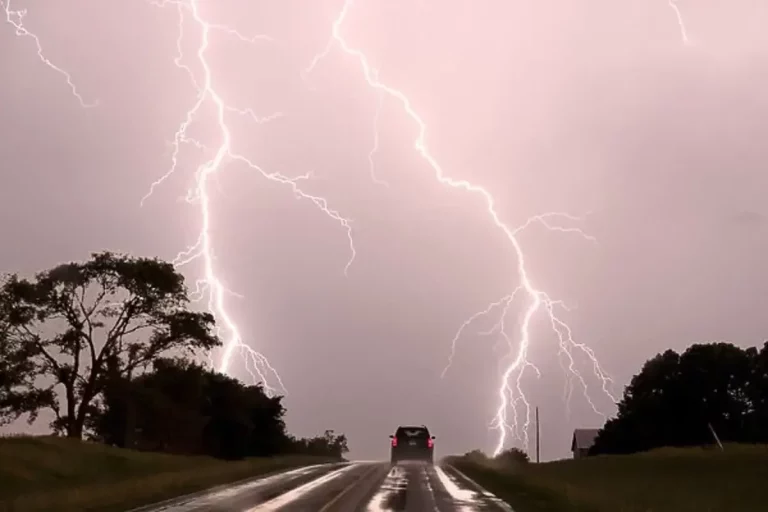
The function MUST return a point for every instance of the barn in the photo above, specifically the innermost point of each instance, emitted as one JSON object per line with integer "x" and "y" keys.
{"x": 582, "y": 441}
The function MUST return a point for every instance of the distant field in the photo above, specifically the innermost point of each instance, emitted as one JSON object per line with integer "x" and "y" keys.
{"x": 48, "y": 473}
{"x": 665, "y": 480}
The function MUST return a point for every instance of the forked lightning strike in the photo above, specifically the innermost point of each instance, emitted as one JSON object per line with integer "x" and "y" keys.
{"x": 256, "y": 363}
{"x": 537, "y": 299}
{"x": 510, "y": 392}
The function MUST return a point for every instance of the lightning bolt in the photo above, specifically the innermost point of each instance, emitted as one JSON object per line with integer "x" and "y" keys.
{"x": 375, "y": 148}
{"x": 203, "y": 249}
{"x": 536, "y": 301}
{"x": 16, "y": 19}
{"x": 509, "y": 393}
{"x": 680, "y": 22}
{"x": 210, "y": 285}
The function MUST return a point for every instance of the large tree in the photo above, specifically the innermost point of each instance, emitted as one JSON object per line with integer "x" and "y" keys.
{"x": 76, "y": 321}
{"x": 678, "y": 399}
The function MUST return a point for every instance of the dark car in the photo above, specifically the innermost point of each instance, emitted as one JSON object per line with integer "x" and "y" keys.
{"x": 412, "y": 443}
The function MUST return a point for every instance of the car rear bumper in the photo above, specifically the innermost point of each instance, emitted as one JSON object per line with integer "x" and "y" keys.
{"x": 417, "y": 454}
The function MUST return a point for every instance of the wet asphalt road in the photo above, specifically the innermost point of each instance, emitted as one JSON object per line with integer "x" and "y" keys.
{"x": 348, "y": 487}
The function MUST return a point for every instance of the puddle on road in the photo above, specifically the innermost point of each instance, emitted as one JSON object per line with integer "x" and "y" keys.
{"x": 469, "y": 500}
{"x": 391, "y": 495}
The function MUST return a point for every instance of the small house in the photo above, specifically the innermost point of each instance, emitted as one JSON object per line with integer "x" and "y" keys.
{"x": 582, "y": 441}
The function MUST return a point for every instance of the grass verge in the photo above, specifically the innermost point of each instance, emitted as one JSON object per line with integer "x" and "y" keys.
{"x": 665, "y": 480}
{"x": 49, "y": 473}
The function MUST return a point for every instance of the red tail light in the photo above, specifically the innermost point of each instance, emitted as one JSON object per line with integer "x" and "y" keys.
{"x": 430, "y": 443}
{"x": 394, "y": 442}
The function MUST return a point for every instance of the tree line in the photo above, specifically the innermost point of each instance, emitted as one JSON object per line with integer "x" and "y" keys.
{"x": 709, "y": 393}
{"x": 109, "y": 345}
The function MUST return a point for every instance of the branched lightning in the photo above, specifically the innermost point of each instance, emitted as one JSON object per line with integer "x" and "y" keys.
{"x": 509, "y": 394}
{"x": 211, "y": 284}
{"x": 16, "y": 19}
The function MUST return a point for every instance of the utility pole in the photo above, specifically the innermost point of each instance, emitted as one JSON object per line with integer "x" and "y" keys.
{"x": 537, "y": 434}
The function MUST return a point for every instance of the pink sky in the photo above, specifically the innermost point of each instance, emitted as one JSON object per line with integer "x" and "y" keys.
{"x": 592, "y": 107}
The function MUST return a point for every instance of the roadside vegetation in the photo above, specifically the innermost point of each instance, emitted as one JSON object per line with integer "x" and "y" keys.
{"x": 662, "y": 480}
{"x": 111, "y": 347}
{"x": 56, "y": 473}
{"x": 662, "y": 452}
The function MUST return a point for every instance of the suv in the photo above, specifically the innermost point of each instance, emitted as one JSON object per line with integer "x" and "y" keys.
{"x": 412, "y": 443}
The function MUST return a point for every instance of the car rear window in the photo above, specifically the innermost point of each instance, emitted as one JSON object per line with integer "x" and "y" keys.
{"x": 412, "y": 432}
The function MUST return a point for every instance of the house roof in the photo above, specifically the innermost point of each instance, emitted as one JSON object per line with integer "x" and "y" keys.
{"x": 584, "y": 438}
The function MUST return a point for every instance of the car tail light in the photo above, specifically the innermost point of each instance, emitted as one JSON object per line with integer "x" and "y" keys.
{"x": 394, "y": 442}
{"x": 430, "y": 443}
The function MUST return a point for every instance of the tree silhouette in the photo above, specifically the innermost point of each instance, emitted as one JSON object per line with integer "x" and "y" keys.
{"x": 329, "y": 444}
{"x": 18, "y": 395}
{"x": 476, "y": 455}
{"x": 161, "y": 410}
{"x": 182, "y": 407}
{"x": 266, "y": 415}
{"x": 512, "y": 457}
{"x": 228, "y": 432}
{"x": 757, "y": 425}
{"x": 72, "y": 320}
{"x": 676, "y": 399}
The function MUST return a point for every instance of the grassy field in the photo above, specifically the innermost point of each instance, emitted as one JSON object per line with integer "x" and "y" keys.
{"x": 48, "y": 473}
{"x": 679, "y": 480}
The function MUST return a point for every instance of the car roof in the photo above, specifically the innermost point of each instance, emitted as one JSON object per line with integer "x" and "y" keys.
{"x": 413, "y": 427}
